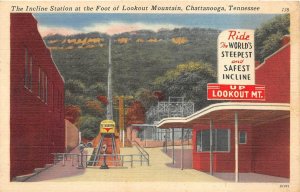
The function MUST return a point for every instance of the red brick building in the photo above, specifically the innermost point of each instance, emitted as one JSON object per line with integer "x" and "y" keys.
{"x": 37, "y": 126}
{"x": 246, "y": 136}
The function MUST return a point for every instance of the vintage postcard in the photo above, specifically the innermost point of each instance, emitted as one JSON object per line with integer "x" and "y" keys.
{"x": 150, "y": 96}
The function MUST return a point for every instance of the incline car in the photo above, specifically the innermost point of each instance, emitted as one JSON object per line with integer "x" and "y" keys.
{"x": 107, "y": 127}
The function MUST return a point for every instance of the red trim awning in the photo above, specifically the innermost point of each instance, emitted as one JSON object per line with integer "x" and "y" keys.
{"x": 252, "y": 113}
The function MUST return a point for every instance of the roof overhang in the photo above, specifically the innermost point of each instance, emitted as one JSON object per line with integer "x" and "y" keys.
{"x": 143, "y": 125}
{"x": 251, "y": 113}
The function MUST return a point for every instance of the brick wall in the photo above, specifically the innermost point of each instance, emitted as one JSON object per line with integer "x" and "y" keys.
{"x": 36, "y": 121}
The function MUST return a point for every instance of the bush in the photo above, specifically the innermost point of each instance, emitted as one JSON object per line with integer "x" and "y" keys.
{"x": 89, "y": 126}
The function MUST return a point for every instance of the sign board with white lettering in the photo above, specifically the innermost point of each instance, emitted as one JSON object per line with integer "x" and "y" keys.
{"x": 236, "y": 68}
{"x": 235, "y": 92}
{"x": 236, "y": 64}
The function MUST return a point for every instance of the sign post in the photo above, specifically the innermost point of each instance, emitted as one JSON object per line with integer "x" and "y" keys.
{"x": 121, "y": 119}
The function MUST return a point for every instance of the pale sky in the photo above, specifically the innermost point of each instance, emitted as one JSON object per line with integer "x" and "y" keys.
{"x": 67, "y": 24}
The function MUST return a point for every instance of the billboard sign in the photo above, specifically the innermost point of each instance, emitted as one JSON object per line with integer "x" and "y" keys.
{"x": 236, "y": 64}
{"x": 235, "y": 92}
{"x": 236, "y": 68}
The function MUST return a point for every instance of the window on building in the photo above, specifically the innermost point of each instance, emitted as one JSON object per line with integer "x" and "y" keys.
{"x": 204, "y": 144}
{"x": 57, "y": 101}
{"x": 220, "y": 140}
{"x": 28, "y": 70}
{"x": 52, "y": 96}
{"x": 46, "y": 89}
{"x": 243, "y": 137}
{"x": 40, "y": 81}
{"x": 30, "y": 74}
{"x": 43, "y": 86}
{"x": 62, "y": 101}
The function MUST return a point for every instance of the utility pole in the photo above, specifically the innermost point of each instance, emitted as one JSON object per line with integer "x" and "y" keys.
{"x": 109, "y": 109}
{"x": 121, "y": 119}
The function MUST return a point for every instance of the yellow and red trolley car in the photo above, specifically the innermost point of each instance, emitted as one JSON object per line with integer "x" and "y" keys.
{"x": 107, "y": 127}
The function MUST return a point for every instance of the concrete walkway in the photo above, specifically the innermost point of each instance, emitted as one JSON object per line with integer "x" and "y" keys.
{"x": 161, "y": 169}
{"x": 251, "y": 177}
{"x": 158, "y": 170}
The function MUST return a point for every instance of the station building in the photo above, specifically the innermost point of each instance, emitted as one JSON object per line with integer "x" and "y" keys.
{"x": 246, "y": 137}
{"x": 37, "y": 126}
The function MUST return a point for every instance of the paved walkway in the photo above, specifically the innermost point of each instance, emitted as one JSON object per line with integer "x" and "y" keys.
{"x": 158, "y": 170}
{"x": 161, "y": 168}
{"x": 251, "y": 177}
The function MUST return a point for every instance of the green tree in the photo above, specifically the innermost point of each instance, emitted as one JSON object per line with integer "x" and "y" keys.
{"x": 72, "y": 113}
{"x": 94, "y": 108}
{"x": 135, "y": 64}
{"x": 146, "y": 97}
{"x": 135, "y": 113}
{"x": 72, "y": 99}
{"x": 75, "y": 86}
{"x": 96, "y": 89}
{"x": 268, "y": 36}
{"x": 89, "y": 126}
{"x": 188, "y": 80}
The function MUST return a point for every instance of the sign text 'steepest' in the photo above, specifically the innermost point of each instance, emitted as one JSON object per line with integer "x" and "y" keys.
{"x": 236, "y": 57}
{"x": 236, "y": 68}
{"x": 235, "y": 92}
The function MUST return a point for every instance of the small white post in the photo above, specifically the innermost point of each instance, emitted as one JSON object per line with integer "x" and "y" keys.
{"x": 173, "y": 148}
{"x": 182, "y": 148}
{"x": 211, "y": 147}
{"x": 236, "y": 147}
{"x": 123, "y": 135}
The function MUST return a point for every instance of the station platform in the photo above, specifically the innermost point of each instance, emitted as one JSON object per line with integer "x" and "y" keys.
{"x": 158, "y": 170}
{"x": 161, "y": 169}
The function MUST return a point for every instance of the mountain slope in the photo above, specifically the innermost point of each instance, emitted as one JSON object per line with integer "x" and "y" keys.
{"x": 137, "y": 57}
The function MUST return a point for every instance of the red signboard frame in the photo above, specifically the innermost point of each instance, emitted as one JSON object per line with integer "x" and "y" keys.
{"x": 235, "y": 92}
